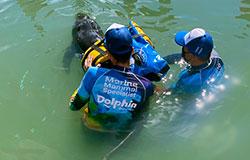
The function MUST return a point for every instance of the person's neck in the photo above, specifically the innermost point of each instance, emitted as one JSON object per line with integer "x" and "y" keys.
{"x": 198, "y": 63}
{"x": 126, "y": 65}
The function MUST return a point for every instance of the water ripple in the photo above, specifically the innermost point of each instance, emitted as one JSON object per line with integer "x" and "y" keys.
{"x": 245, "y": 15}
{"x": 54, "y": 1}
{"x": 65, "y": 11}
{"x": 6, "y": 7}
{"x": 3, "y": 48}
{"x": 126, "y": 10}
{"x": 3, "y": 1}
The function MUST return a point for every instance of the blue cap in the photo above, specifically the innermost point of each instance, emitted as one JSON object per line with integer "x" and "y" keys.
{"x": 198, "y": 41}
{"x": 118, "y": 40}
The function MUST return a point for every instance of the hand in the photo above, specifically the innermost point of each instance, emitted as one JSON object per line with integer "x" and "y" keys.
{"x": 158, "y": 90}
{"x": 88, "y": 63}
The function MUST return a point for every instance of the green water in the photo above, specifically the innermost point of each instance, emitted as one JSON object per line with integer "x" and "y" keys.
{"x": 36, "y": 123}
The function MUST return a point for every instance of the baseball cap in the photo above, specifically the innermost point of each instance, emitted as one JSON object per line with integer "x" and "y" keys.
{"x": 118, "y": 39}
{"x": 198, "y": 41}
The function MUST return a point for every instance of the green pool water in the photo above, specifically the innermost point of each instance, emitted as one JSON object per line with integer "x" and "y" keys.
{"x": 35, "y": 120}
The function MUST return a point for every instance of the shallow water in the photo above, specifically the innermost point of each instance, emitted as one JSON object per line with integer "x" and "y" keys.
{"x": 36, "y": 123}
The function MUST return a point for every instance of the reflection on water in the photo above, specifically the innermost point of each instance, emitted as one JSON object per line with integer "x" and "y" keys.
{"x": 245, "y": 15}
{"x": 162, "y": 15}
{"x": 6, "y": 7}
{"x": 156, "y": 15}
{"x": 31, "y": 8}
{"x": 130, "y": 7}
{"x": 79, "y": 3}
{"x": 245, "y": 9}
{"x": 149, "y": 12}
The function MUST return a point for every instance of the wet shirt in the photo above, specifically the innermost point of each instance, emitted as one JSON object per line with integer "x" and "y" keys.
{"x": 114, "y": 96}
{"x": 194, "y": 79}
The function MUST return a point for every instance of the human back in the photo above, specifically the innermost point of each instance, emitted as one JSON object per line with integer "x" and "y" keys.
{"x": 116, "y": 97}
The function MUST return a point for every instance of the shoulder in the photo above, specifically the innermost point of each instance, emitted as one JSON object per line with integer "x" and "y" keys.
{"x": 216, "y": 58}
{"x": 146, "y": 83}
{"x": 92, "y": 75}
{"x": 95, "y": 71}
{"x": 216, "y": 63}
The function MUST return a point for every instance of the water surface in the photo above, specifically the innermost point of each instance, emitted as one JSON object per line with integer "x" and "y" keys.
{"x": 36, "y": 123}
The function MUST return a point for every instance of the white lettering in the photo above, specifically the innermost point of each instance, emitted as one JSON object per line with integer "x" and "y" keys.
{"x": 116, "y": 103}
{"x": 105, "y": 90}
{"x": 107, "y": 101}
{"x": 107, "y": 85}
{"x": 109, "y": 80}
{"x": 133, "y": 105}
{"x": 118, "y": 82}
{"x": 100, "y": 99}
{"x": 124, "y": 103}
{"x": 119, "y": 87}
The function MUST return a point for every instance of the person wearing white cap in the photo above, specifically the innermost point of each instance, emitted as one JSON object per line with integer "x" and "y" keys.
{"x": 144, "y": 61}
{"x": 114, "y": 96}
{"x": 205, "y": 66}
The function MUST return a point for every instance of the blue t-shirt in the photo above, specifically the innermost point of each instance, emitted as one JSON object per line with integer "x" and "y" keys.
{"x": 115, "y": 95}
{"x": 195, "y": 78}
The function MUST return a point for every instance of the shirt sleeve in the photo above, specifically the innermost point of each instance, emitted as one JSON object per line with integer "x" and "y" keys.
{"x": 82, "y": 95}
{"x": 150, "y": 90}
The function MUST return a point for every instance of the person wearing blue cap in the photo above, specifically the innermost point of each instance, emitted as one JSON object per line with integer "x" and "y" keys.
{"x": 114, "y": 96}
{"x": 205, "y": 66}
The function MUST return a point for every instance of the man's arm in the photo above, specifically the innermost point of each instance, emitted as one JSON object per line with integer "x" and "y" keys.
{"x": 173, "y": 58}
{"x": 77, "y": 102}
{"x": 81, "y": 95}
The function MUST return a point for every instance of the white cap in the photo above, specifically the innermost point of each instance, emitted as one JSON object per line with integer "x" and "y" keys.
{"x": 195, "y": 33}
{"x": 114, "y": 26}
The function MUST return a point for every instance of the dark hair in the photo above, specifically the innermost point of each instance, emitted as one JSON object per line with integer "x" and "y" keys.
{"x": 123, "y": 58}
{"x": 204, "y": 59}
